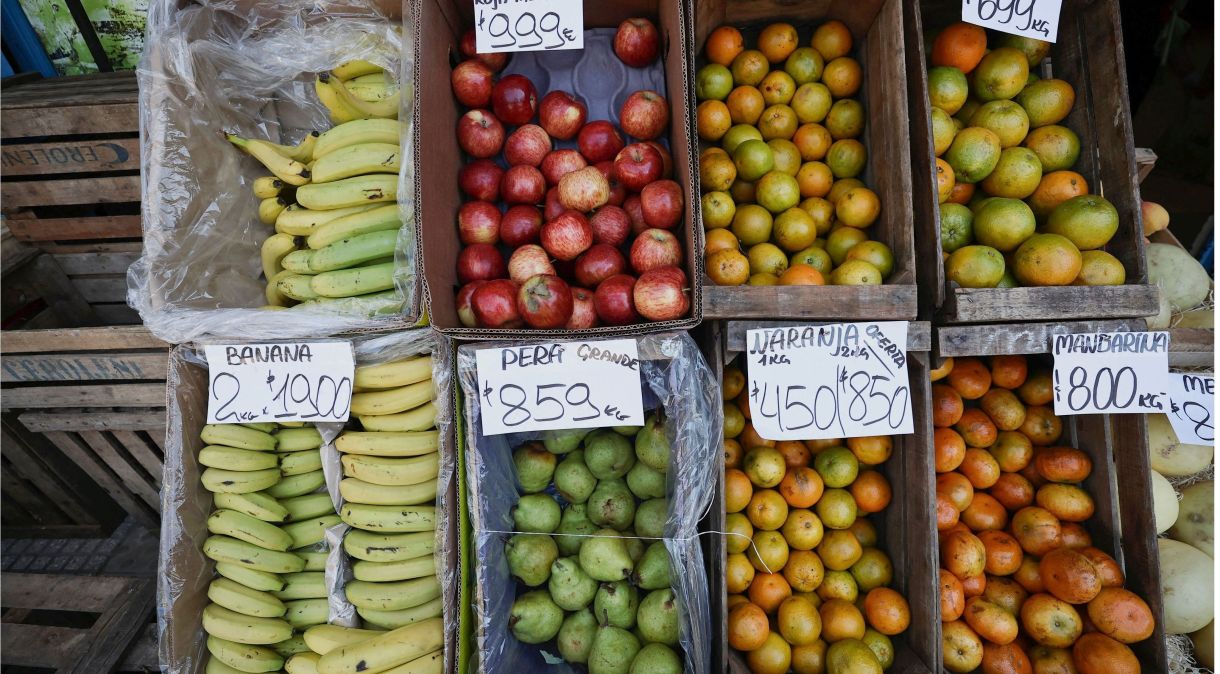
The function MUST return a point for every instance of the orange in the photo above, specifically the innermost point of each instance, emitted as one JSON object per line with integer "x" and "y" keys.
{"x": 842, "y": 240}
{"x": 1013, "y": 491}
{"x": 1070, "y": 576}
{"x": 962, "y": 554}
{"x": 1004, "y": 408}
{"x": 990, "y": 621}
{"x": 716, "y": 173}
{"x": 839, "y": 549}
{"x": 723, "y": 45}
{"x": 956, "y": 488}
{"x": 947, "y": 89}
{"x": 1055, "y": 188}
{"x": 738, "y": 573}
{"x": 961, "y": 193}
{"x": 974, "y": 586}
{"x": 769, "y": 553}
{"x": 1041, "y": 425}
{"x": 767, "y": 510}
{"x": 1047, "y": 260}
{"x": 974, "y": 153}
{"x": 980, "y": 467}
{"x": 865, "y": 532}
{"x": 1047, "y": 660}
{"x": 1003, "y": 552}
{"x": 832, "y": 40}
{"x": 1096, "y": 653}
{"x": 943, "y": 131}
{"x": 1005, "y": 119}
{"x": 719, "y": 239}
{"x": 1037, "y": 389}
{"x": 1050, "y": 621}
{"x": 799, "y": 621}
{"x": 1087, "y": 221}
{"x": 1047, "y": 101}
{"x": 718, "y": 209}
{"x": 947, "y": 404}
{"x": 840, "y": 187}
{"x": 745, "y": 105}
{"x": 845, "y": 119}
{"x": 1004, "y": 223}
{"x": 804, "y": 65}
{"x": 1028, "y": 576}
{"x": 1107, "y": 568}
{"x": 1065, "y": 501}
{"x": 1121, "y": 615}
{"x": 728, "y": 267}
{"x": 804, "y": 570}
{"x": 794, "y": 230}
{"x": 873, "y": 569}
{"x": 801, "y": 275}
{"x": 740, "y": 533}
{"x": 970, "y": 378}
{"x": 985, "y": 513}
{"x": 777, "y": 121}
{"x": 801, "y": 487}
{"x": 803, "y": 530}
{"x": 747, "y": 627}
{"x": 1057, "y": 147}
{"x": 814, "y": 179}
{"x": 858, "y": 208}
{"x": 795, "y": 454}
{"x": 871, "y": 450}
{"x": 952, "y": 601}
{"x": 1006, "y": 591}
{"x": 749, "y": 67}
{"x": 732, "y": 453}
{"x": 737, "y": 490}
{"x": 813, "y": 141}
{"x": 856, "y": 272}
{"x": 841, "y": 620}
{"x": 769, "y": 590}
{"x": 713, "y": 120}
{"x": 945, "y": 180}
{"x": 947, "y": 516}
{"x": 749, "y": 437}
{"x": 1016, "y": 175}
{"x": 1008, "y": 371}
{"x": 887, "y": 611}
{"x": 950, "y": 449}
{"x": 1011, "y": 450}
{"x": 773, "y": 657}
{"x": 976, "y": 428}
{"x": 871, "y": 491}
{"x": 961, "y": 46}
{"x": 809, "y": 659}
{"x": 1063, "y": 464}
{"x": 1075, "y": 536}
{"x": 1035, "y": 50}
{"x": 1037, "y": 530}
{"x": 842, "y": 76}
{"x": 1005, "y": 659}
{"x": 963, "y": 651}
{"x": 822, "y": 212}
{"x": 1099, "y": 268}
{"x": 846, "y": 158}
{"x": 1002, "y": 73}
{"x": 839, "y": 585}
{"x": 777, "y": 41}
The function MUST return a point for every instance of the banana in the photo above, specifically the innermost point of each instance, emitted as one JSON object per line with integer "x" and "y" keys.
{"x": 382, "y": 77}
{"x": 264, "y": 426}
{"x": 380, "y": 217}
{"x": 389, "y": 519}
{"x": 274, "y": 248}
{"x": 297, "y": 220}
{"x": 297, "y": 485}
{"x": 303, "y": 585}
{"x": 251, "y": 530}
{"x": 275, "y": 298}
{"x": 255, "y": 580}
{"x": 302, "y": 663}
{"x": 239, "y": 482}
{"x": 386, "y": 108}
{"x": 215, "y": 666}
{"x": 355, "y": 281}
{"x": 308, "y": 532}
{"x": 387, "y": 650}
{"x": 353, "y": 69}
{"x": 297, "y": 286}
{"x": 359, "y": 491}
{"x": 371, "y": 547}
{"x": 349, "y": 192}
{"x": 351, "y": 252}
{"x": 297, "y": 439}
{"x": 372, "y": 92}
{"x": 275, "y": 307}
{"x": 323, "y": 639}
{"x": 392, "y": 401}
{"x": 392, "y": 472}
{"x": 231, "y": 458}
{"x": 356, "y": 160}
{"x": 292, "y": 646}
{"x": 304, "y": 613}
{"x": 297, "y": 261}
{"x": 307, "y": 506}
{"x": 233, "y": 551}
{"x": 254, "y": 504}
{"x": 245, "y": 657}
{"x": 419, "y": 419}
{"x": 340, "y": 112}
{"x": 267, "y": 187}
{"x": 395, "y": 373}
{"x": 370, "y": 306}
{"x": 358, "y": 132}
{"x": 394, "y": 619}
{"x": 386, "y": 443}
{"x": 302, "y": 151}
{"x": 393, "y": 571}
{"x": 285, "y": 168}
{"x": 314, "y": 561}
{"x": 291, "y": 424}
{"x": 432, "y": 663}
{"x": 219, "y": 621}
{"x": 295, "y": 463}
{"x": 233, "y": 435}
{"x": 237, "y": 597}
{"x": 270, "y": 208}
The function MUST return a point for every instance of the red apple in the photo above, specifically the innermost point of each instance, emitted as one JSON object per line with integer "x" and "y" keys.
{"x": 479, "y": 222}
{"x": 480, "y": 134}
{"x": 596, "y": 265}
{"x": 567, "y": 236}
{"x": 495, "y": 304}
{"x": 561, "y": 114}
{"x": 552, "y": 208}
{"x": 494, "y": 60}
{"x": 644, "y": 115}
{"x": 545, "y": 301}
{"x": 614, "y": 301}
{"x": 559, "y": 163}
{"x": 464, "y": 311}
{"x": 527, "y": 145}
{"x": 637, "y": 165}
{"x": 660, "y": 294}
{"x": 583, "y": 314}
{"x": 599, "y": 141}
{"x": 655, "y": 248}
{"x": 610, "y": 224}
{"x": 472, "y": 82}
{"x": 635, "y": 211}
{"x": 529, "y": 260}
{"x": 662, "y": 204}
{"x": 520, "y": 225}
{"x": 584, "y": 190}
{"x": 637, "y": 42}
{"x": 617, "y": 192}
{"x": 480, "y": 262}
{"x": 667, "y": 159}
{"x": 514, "y": 100}
{"x": 480, "y": 180}
{"x": 523, "y": 185}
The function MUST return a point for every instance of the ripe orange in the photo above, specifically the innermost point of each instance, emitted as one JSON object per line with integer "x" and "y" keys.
{"x": 842, "y": 76}
{"x": 841, "y": 620}
{"x": 956, "y": 488}
{"x": 1099, "y": 268}
{"x": 962, "y": 554}
{"x": 1012, "y": 451}
{"x": 1008, "y": 371}
{"x": 963, "y": 651}
{"x": 887, "y": 611}
{"x": 769, "y": 590}
{"x": 985, "y": 513}
{"x": 801, "y": 275}
{"x": 1004, "y": 553}
{"x": 723, "y": 45}
{"x": 950, "y": 449}
{"x": 1047, "y": 260}
{"x": 777, "y": 41}
{"x": 990, "y": 621}
{"x": 1013, "y": 491}
{"x": 1075, "y": 537}
{"x": 1004, "y": 408}
{"x": 1041, "y": 425}
{"x": 1028, "y": 576}
{"x": 1008, "y": 658}
{"x": 803, "y": 530}
{"x": 814, "y": 179}
{"x": 1109, "y": 570}
{"x": 1037, "y": 530}
{"x": 1002, "y": 73}
{"x": 858, "y": 208}
{"x": 1121, "y": 615}
{"x": 832, "y": 40}
{"x": 1070, "y": 576}
{"x": 773, "y": 657}
{"x": 952, "y": 600}
{"x": 1047, "y": 101}
{"x": 947, "y": 515}
{"x": 767, "y": 510}
{"x": 970, "y": 378}
{"x": 1050, "y": 621}
{"x": 745, "y": 105}
{"x": 976, "y": 428}
{"x": 804, "y": 570}
{"x": 945, "y": 180}
{"x": 732, "y": 453}
{"x": 1037, "y": 389}
{"x": 871, "y": 450}
{"x": 747, "y": 627}
{"x": 737, "y": 490}
{"x": 961, "y": 46}
{"x": 799, "y": 621}
{"x": 738, "y": 573}
{"x": 947, "y": 406}
{"x": 1055, "y": 188}
{"x": 1065, "y": 501}
{"x": 801, "y": 487}
{"x": 1063, "y": 464}
{"x": 871, "y": 491}
{"x": 980, "y": 467}
{"x": 795, "y": 453}
{"x": 1097, "y": 653}
{"x": 728, "y": 267}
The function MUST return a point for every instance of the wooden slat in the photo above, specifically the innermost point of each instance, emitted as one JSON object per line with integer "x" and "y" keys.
{"x": 116, "y": 314}
{"x": 76, "y": 229}
{"x": 41, "y": 422}
{"x": 110, "y": 190}
{"x": 92, "y": 594}
{"x": 1014, "y": 338}
{"x": 82, "y": 90}
{"x": 999, "y": 305}
{"x": 69, "y": 120}
{"x": 104, "y": 479}
{"x": 131, "y": 477}
{"x": 101, "y": 288}
{"x": 70, "y": 156}
{"x": 104, "y": 395}
{"x": 46, "y": 480}
{"x": 115, "y": 629}
{"x": 40, "y": 645}
{"x": 874, "y": 303}
{"x": 78, "y": 264}
{"x": 919, "y": 333}
{"x": 143, "y": 454}
{"x": 142, "y": 654}
{"x": 95, "y": 248}
{"x": 83, "y": 367}
{"x": 79, "y": 339}
{"x": 42, "y": 278}
{"x": 42, "y": 510}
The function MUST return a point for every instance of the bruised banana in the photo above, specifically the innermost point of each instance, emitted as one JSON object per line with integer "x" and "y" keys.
{"x": 303, "y": 585}
{"x": 254, "y": 504}
{"x": 297, "y": 261}
{"x": 297, "y": 286}
{"x": 393, "y": 596}
{"x": 349, "y": 192}
{"x": 356, "y": 160}
{"x": 314, "y": 561}
{"x": 297, "y": 220}
{"x": 255, "y": 580}
{"x": 386, "y": 108}
{"x": 233, "y": 435}
{"x": 296, "y": 485}
{"x": 419, "y": 419}
{"x": 247, "y": 601}
{"x": 232, "y": 458}
{"x": 392, "y": 401}
{"x": 297, "y": 439}
{"x": 352, "y": 69}
{"x": 386, "y": 650}
{"x": 285, "y": 168}
{"x": 267, "y": 187}
{"x": 310, "y": 531}
{"x": 245, "y": 657}
{"x": 323, "y": 639}
{"x": 273, "y": 251}
{"x": 239, "y": 482}
{"x": 302, "y": 663}
{"x": 354, "y": 281}
{"x": 359, "y": 491}
{"x": 358, "y": 132}
{"x": 373, "y": 547}
{"x": 310, "y": 505}
{"x": 389, "y": 444}
{"x": 270, "y": 208}
{"x": 352, "y": 251}
{"x": 407, "y": 569}
{"x": 395, "y": 373}
{"x": 394, "y": 619}
{"x": 219, "y": 621}
{"x": 250, "y": 556}
{"x": 392, "y": 472}
{"x": 389, "y": 519}
{"x": 304, "y": 613}
{"x": 380, "y": 217}
{"x": 249, "y": 529}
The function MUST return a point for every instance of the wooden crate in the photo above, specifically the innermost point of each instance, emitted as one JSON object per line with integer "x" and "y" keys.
{"x": 1089, "y": 55}
{"x": 876, "y": 26}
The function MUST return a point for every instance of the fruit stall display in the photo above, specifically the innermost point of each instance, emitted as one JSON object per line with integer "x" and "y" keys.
{"x": 1024, "y": 138}
{"x": 562, "y": 200}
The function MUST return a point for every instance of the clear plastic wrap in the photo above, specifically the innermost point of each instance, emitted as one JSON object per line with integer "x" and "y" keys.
{"x": 248, "y": 68}
{"x": 675, "y": 381}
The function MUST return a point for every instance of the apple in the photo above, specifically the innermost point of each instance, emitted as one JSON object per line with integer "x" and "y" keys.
{"x": 662, "y": 204}
{"x": 561, "y": 114}
{"x": 480, "y": 262}
{"x": 599, "y": 141}
{"x": 654, "y": 248}
{"x": 480, "y": 134}
{"x": 559, "y": 163}
{"x": 596, "y": 265}
{"x": 479, "y": 222}
{"x": 527, "y": 146}
{"x": 481, "y": 180}
{"x": 614, "y": 301}
{"x": 611, "y": 225}
{"x": 495, "y": 304}
{"x": 637, "y": 42}
{"x": 644, "y": 115}
{"x": 567, "y": 236}
{"x": 464, "y": 311}
{"x": 660, "y": 294}
{"x": 583, "y": 314}
{"x": 472, "y": 83}
{"x": 514, "y": 100}
{"x": 545, "y": 301}
{"x": 617, "y": 192}
{"x": 635, "y": 212}
{"x": 494, "y": 60}
{"x": 523, "y": 185}
{"x": 637, "y": 165}
{"x": 552, "y": 208}
{"x": 520, "y": 225}
{"x": 667, "y": 160}
{"x": 584, "y": 190}
{"x": 529, "y": 260}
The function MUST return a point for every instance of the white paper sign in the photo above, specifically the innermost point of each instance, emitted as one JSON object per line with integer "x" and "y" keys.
{"x": 843, "y": 380}
{"x": 528, "y": 25}
{"x": 300, "y": 381}
{"x": 1111, "y": 373}
{"x": 1192, "y": 404}
{"x": 559, "y": 385}
{"x": 1038, "y": 19}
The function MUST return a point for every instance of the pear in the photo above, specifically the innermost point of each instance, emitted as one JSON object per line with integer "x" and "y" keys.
{"x": 564, "y": 441}
{"x": 616, "y": 604}
{"x": 576, "y": 636}
{"x": 658, "y": 617}
{"x": 613, "y": 650}
{"x": 537, "y": 513}
{"x": 575, "y": 522}
{"x": 535, "y": 466}
{"x": 628, "y": 431}
{"x": 650, "y": 518}
{"x": 534, "y": 618}
{"x": 608, "y": 454}
{"x": 604, "y": 556}
{"x": 651, "y": 445}
{"x": 635, "y": 546}
{"x": 652, "y": 571}
{"x": 645, "y": 482}
{"x": 530, "y": 557}
{"x": 656, "y": 659}
{"x": 611, "y": 505}
{"x": 571, "y": 588}
{"x": 573, "y": 480}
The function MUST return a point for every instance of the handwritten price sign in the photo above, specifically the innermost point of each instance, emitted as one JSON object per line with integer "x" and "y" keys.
{"x": 561, "y": 385}
{"x": 1038, "y": 19}
{"x": 1192, "y": 401}
{"x": 528, "y": 25}
{"x": 279, "y": 382}
{"x": 1111, "y": 373}
{"x": 832, "y": 381}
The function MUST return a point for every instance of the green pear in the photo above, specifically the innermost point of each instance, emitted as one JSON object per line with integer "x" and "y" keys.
{"x": 651, "y": 445}
{"x": 645, "y": 482}
{"x": 573, "y": 480}
{"x": 628, "y": 431}
{"x": 635, "y": 546}
{"x": 611, "y": 505}
{"x": 537, "y": 513}
{"x": 574, "y": 523}
{"x": 650, "y": 518}
{"x": 535, "y": 466}
{"x": 576, "y": 636}
{"x": 652, "y": 571}
{"x": 571, "y": 588}
{"x": 562, "y": 442}
{"x": 616, "y": 604}
{"x": 656, "y": 659}
{"x": 534, "y": 618}
{"x": 613, "y": 650}
{"x": 530, "y": 557}
{"x": 608, "y": 454}
{"x": 658, "y": 617}
{"x": 604, "y": 556}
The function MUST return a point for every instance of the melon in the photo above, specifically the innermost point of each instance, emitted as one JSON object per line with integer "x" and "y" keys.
{"x": 1181, "y": 278}
{"x": 1195, "y": 524}
{"x": 1164, "y": 502}
{"x": 1170, "y": 457}
{"x": 1186, "y": 587}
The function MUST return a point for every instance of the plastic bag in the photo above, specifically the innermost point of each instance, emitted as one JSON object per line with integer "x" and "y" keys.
{"x": 248, "y": 68}
{"x": 675, "y": 380}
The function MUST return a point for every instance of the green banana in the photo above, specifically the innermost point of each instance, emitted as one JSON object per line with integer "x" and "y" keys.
{"x": 391, "y": 571}
{"x": 358, "y": 132}
{"x": 255, "y": 580}
{"x": 387, "y": 650}
{"x": 418, "y": 419}
{"x": 351, "y": 252}
{"x": 310, "y": 505}
{"x": 349, "y": 192}
{"x": 291, "y": 424}
{"x": 215, "y": 666}
{"x": 285, "y": 168}
{"x": 297, "y": 261}
{"x": 264, "y": 426}
{"x": 359, "y": 491}
{"x": 356, "y": 160}
{"x": 303, "y": 585}
{"x": 314, "y": 561}
{"x": 392, "y": 401}
{"x": 370, "y": 306}
{"x": 231, "y": 458}
{"x": 249, "y": 529}
{"x": 323, "y": 639}
{"x": 395, "y": 373}
{"x": 219, "y": 621}
{"x": 297, "y": 286}
{"x": 393, "y": 596}
{"x": 233, "y": 551}
{"x": 234, "y": 435}
{"x": 394, "y": 619}
{"x": 385, "y": 443}
{"x": 381, "y": 217}
{"x": 297, "y": 439}
{"x": 392, "y": 472}
{"x": 245, "y": 657}
{"x": 372, "y": 547}
{"x": 352, "y": 282}
{"x": 358, "y": 68}
{"x": 303, "y": 613}
{"x": 254, "y": 504}
{"x": 292, "y": 646}
{"x": 270, "y": 208}
{"x": 295, "y": 463}
{"x": 296, "y": 220}
{"x": 238, "y": 481}
{"x": 308, "y": 532}
{"x": 302, "y": 663}
{"x": 386, "y": 108}
{"x": 237, "y": 597}
{"x": 389, "y": 519}
{"x": 297, "y": 485}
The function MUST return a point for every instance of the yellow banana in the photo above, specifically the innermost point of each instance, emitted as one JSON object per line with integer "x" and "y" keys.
{"x": 303, "y": 585}
{"x": 297, "y": 286}
{"x": 245, "y": 657}
{"x": 297, "y": 261}
{"x": 393, "y": 596}
{"x": 358, "y": 68}
{"x": 392, "y": 472}
{"x": 292, "y": 646}
{"x": 394, "y": 619}
{"x": 339, "y": 111}
{"x": 372, "y": 547}
{"x": 215, "y": 666}
{"x": 233, "y": 551}
{"x": 356, "y": 160}
{"x": 310, "y": 505}
{"x": 349, "y": 192}
{"x": 285, "y": 168}
{"x": 304, "y": 613}
{"x": 432, "y": 663}
{"x": 386, "y": 108}
{"x": 314, "y": 561}
{"x": 408, "y": 569}
{"x": 297, "y": 439}
{"x": 249, "y": 529}
{"x": 302, "y": 663}
{"x": 310, "y": 531}
{"x": 384, "y": 443}
{"x": 297, "y": 485}
{"x": 295, "y": 463}
{"x": 302, "y": 151}
{"x": 267, "y": 187}
{"x": 270, "y": 208}
{"x": 387, "y": 650}
{"x": 389, "y": 519}
{"x": 264, "y": 426}
{"x": 237, "y": 597}
{"x": 373, "y": 78}
{"x": 297, "y": 220}
{"x": 255, "y": 580}
{"x": 239, "y": 482}
{"x": 323, "y": 639}
{"x": 274, "y": 249}
{"x": 219, "y": 621}
{"x": 418, "y": 419}
{"x": 372, "y": 92}
{"x": 358, "y": 132}
{"x": 231, "y": 458}
{"x": 275, "y": 298}
{"x": 254, "y": 504}
{"x": 394, "y": 374}
{"x": 233, "y": 435}
{"x": 359, "y": 491}
{"x": 392, "y": 401}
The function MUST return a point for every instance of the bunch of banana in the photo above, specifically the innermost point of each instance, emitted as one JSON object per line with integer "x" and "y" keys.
{"x": 417, "y": 648}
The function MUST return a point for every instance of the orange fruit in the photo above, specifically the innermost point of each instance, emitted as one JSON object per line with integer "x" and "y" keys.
{"x": 804, "y": 570}
{"x": 960, "y": 45}
{"x": 842, "y": 76}
{"x": 1028, "y": 576}
{"x": 1069, "y": 575}
{"x": 1004, "y": 408}
{"x": 842, "y": 240}
{"x": 974, "y": 153}
{"x": 950, "y": 449}
{"x": 832, "y": 39}
{"x": 767, "y": 258}
{"x": 773, "y": 657}
{"x": 1107, "y": 568}
{"x": 1057, "y": 147}
{"x": 976, "y": 428}
{"x": 728, "y": 267}
{"x": 1065, "y": 501}
{"x": 1047, "y": 101}
{"x": 1004, "y": 223}
{"x": 799, "y": 621}
{"x": 841, "y": 620}
{"x": 813, "y": 141}
{"x": 814, "y": 178}
{"x": 1004, "y": 553}
{"x": 956, "y": 488}
{"x": 1121, "y": 615}
{"x": 1097, "y": 653}
{"x": 970, "y": 378}
{"x": 749, "y": 67}
{"x": 871, "y": 450}
{"x": 1055, "y": 188}
{"x": 887, "y": 611}
{"x": 713, "y": 120}
{"x": 980, "y": 467}
{"x": 741, "y": 533}
{"x": 985, "y": 513}
{"x": 769, "y": 553}
{"x": 975, "y": 585}
{"x": 846, "y": 158}
{"x": 810, "y": 659}
{"x": 1050, "y": 621}
{"x": 990, "y": 621}
{"x": 840, "y": 187}
{"x": 963, "y": 651}
{"x": 795, "y": 454}
{"x": 737, "y": 490}
{"x": 1037, "y": 389}
{"x": 1013, "y": 491}
{"x": 719, "y": 239}
{"x": 1001, "y": 73}
{"x": 1047, "y": 259}
{"x": 865, "y": 532}
{"x": 1035, "y": 50}
{"x": 947, "y": 516}
{"x": 1088, "y": 221}
{"x": 947, "y": 404}
{"x": 874, "y": 569}
{"x": 794, "y": 230}
{"x": 769, "y": 590}
{"x": 747, "y": 627}
{"x": 723, "y": 45}
{"x": 1037, "y": 530}
{"x": 801, "y": 487}
{"x": 1075, "y": 536}
{"x": 839, "y": 549}
{"x": 732, "y": 453}
{"x": 845, "y": 119}
{"x": 962, "y": 554}
{"x": 1006, "y": 591}
{"x": 947, "y": 89}
{"x": 1008, "y": 371}
{"x": 1063, "y": 464}
{"x": 952, "y": 600}
{"x": 871, "y": 491}
{"x": 803, "y": 530}
{"x": 1041, "y": 425}
{"x": 745, "y": 105}
{"x": 777, "y": 41}
{"x": 961, "y": 193}
{"x": 1011, "y": 450}
{"x": 1016, "y": 175}
{"x": 858, "y": 208}
{"x": 945, "y": 180}
{"x": 1099, "y": 268}
{"x": 738, "y": 573}
{"x": 1007, "y": 120}
{"x": 767, "y": 510}
{"x": 777, "y": 121}
{"x": 1005, "y": 659}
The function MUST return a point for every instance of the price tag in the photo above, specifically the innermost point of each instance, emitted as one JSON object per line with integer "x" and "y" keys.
{"x": 528, "y": 25}
{"x": 560, "y": 385}
{"x": 1192, "y": 401}
{"x": 301, "y": 381}
{"x": 844, "y": 380}
{"x": 1038, "y": 19}
{"x": 1111, "y": 372}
